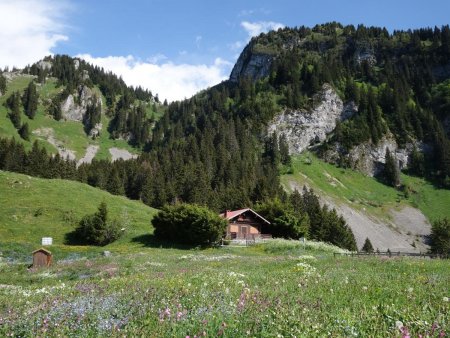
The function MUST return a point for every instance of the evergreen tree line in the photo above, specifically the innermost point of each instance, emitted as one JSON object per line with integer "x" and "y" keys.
{"x": 299, "y": 215}
{"x": 27, "y": 102}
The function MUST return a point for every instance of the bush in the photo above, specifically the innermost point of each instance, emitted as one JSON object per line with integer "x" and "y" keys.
{"x": 189, "y": 224}
{"x": 95, "y": 229}
{"x": 284, "y": 221}
{"x": 440, "y": 237}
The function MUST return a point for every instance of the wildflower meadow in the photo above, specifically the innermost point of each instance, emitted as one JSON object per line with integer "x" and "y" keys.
{"x": 277, "y": 289}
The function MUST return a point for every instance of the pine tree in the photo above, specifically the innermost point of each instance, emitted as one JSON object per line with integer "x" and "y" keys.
{"x": 367, "y": 247}
{"x": 417, "y": 163}
{"x": 391, "y": 171}
{"x": 30, "y": 100}
{"x": 24, "y": 132}
{"x": 285, "y": 158}
{"x": 13, "y": 103}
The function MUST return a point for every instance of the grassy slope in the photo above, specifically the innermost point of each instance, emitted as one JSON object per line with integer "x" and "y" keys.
{"x": 365, "y": 192}
{"x": 31, "y": 208}
{"x": 71, "y": 133}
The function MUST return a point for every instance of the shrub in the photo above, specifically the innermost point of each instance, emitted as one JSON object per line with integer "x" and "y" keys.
{"x": 440, "y": 237}
{"x": 189, "y": 224}
{"x": 284, "y": 221}
{"x": 95, "y": 229}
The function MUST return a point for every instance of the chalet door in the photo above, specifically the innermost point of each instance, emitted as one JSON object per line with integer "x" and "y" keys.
{"x": 244, "y": 231}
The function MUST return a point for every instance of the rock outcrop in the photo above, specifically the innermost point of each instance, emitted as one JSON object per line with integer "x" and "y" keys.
{"x": 44, "y": 65}
{"x": 75, "y": 105}
{"x": 252, "y": 65}
{"x": 304, "y": 128}
{"x": 370, "y": 158}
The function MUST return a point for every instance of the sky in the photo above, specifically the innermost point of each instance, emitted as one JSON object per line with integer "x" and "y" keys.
{"x": 177, "y": 48}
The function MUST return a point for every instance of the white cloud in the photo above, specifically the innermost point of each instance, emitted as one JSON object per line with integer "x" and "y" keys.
{"x": 170, "y": 81}
{"x": 29, "y": 29}
{"x": 256, "y": 28}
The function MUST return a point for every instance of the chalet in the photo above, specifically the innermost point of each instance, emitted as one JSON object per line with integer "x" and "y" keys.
{"x": 245, "y": 224}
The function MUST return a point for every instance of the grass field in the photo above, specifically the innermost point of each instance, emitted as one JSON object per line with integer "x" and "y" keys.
{"x": 152, "y": 289}
{"x": 32, "y": 208}
{"x": 365, "y": 192}
{"x": 277, "y": 289}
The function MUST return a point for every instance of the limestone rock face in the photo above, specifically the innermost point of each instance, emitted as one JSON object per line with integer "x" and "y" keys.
{"x": 370, "y": 158}
{"x": 95, "y": 132}
{"x": 74, "y": 106}
{"x": 252, "y": 65}
{"x": 44, "y": 65}
{"x": 304, "y": 128}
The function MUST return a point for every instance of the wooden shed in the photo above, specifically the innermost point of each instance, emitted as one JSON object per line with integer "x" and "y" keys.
{"x": 41, "y": 257}
{"x": 245, "y": 224}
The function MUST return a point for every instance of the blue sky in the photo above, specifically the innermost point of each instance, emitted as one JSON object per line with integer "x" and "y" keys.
{"x": 176, "y": 48}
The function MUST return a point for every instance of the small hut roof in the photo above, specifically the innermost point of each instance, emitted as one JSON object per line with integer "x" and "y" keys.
{"x": 42, "y": 250}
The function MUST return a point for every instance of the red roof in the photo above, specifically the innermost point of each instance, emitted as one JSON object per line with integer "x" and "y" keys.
{"x": 232, "y": 214}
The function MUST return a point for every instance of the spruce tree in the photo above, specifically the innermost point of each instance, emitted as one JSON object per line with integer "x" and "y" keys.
{"x": 13, "y": 103}
{"x": 24, "y": 132}
{"x": 367, "y": 247}
{"x": 285, "y": 158}
{"x": 391, "y": 171}
{"x": 30, "y": 100}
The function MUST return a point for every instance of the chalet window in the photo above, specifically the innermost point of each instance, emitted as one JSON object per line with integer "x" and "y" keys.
{"x": 233, "y": 235}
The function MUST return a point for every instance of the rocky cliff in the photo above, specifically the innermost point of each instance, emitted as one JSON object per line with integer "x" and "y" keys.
{"x": 304, "y": 128}
{"x": 370, "y": 158}
{"x": 251, "y": 64}
{"x": 75, "y": 105}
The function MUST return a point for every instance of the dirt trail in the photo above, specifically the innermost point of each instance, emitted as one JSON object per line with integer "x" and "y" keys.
{"x": 397, "y": 232}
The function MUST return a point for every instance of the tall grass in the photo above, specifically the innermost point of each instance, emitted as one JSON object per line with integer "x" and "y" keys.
{"x": 278, "y": 245}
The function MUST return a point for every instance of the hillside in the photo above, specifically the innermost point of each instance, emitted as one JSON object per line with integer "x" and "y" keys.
{"x": 398, "y": 220}
{"x": 32, "y": 208}
{"x": 61, "y": 122}
{"x": 360, "y": 98}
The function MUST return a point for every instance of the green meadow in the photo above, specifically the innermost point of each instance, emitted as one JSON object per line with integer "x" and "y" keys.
{"x": 147, "y": 288}
{"x": 361, "y": 191}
